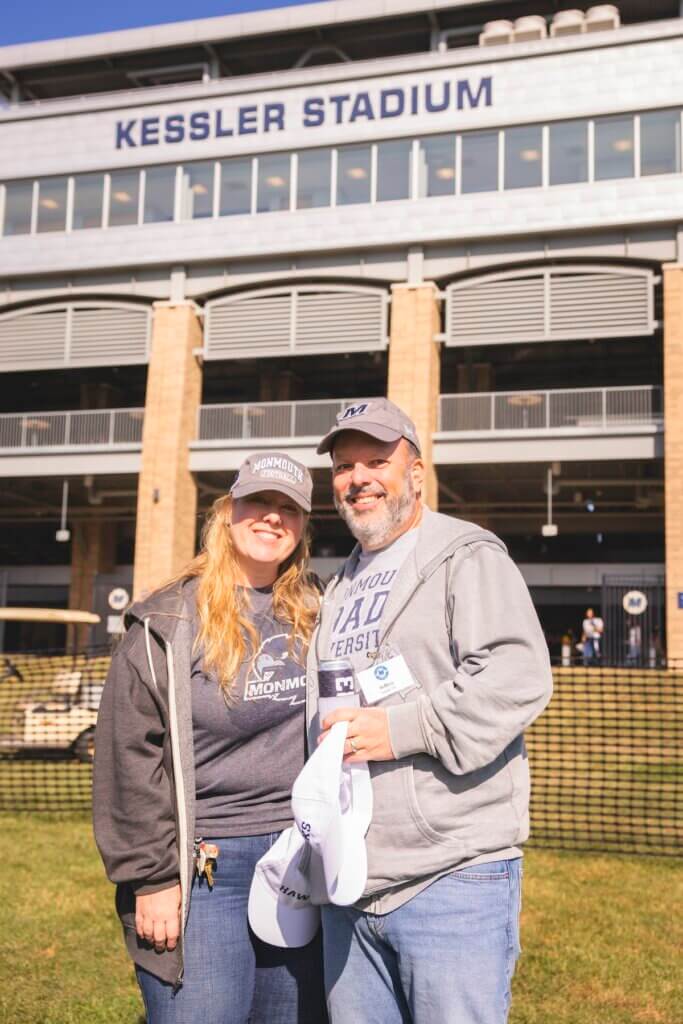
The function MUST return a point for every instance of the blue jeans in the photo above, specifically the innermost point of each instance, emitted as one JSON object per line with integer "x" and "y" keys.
{"x": 445, "y": 957}
{"x": 231, "y": 977}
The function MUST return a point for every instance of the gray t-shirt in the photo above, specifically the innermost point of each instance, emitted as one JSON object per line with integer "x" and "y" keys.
{"x": 248, "y": 753}
{"x": 362, "y": 597}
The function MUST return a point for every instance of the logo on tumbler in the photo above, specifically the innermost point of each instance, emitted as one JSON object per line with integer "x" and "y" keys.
{"x": 344, "y": 684}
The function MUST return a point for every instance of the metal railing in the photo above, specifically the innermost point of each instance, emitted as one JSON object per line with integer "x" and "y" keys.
{"x": 107, "y": 428}
{"x": 576, "y": 409}
{"x": 269, "y": 419}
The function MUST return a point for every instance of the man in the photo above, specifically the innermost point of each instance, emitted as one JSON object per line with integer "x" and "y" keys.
{"x": 592, "y": 630}
{"x": 453, "y": 666}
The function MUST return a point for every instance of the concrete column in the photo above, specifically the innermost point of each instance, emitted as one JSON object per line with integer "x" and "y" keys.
{"x": 414, "y": 366}
{"x": 93, "y": 550}
{"x": 673, "y": 457}
{"x": 167, "y": 493}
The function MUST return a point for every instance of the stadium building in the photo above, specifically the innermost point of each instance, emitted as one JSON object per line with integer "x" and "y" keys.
{"x": 216, "y": 234}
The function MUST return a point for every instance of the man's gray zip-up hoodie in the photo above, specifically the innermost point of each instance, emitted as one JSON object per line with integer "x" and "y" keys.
{"x": 143, "y": 782}
{"x": 460, "y": 614}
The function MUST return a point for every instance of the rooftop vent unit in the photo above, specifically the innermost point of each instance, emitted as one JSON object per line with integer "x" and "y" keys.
{"x": 496, "y": 33}
{"x": 568, "y": 23}
{"x": 602, "y": 17}
{"x": 529, "y": 28}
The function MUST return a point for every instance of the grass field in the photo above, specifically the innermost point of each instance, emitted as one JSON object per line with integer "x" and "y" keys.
{"x": 601, "y": 935}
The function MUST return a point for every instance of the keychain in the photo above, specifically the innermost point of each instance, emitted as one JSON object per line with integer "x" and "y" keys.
{"x": 205, "y": 857}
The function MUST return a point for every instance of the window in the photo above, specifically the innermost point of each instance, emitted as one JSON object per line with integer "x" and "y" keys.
{"x": 88, "y": 200}
{"x": 124, "y": 197}
{"x": 393, "y": 169}
{"x": 18, "y": 202}
{"x": 52, "y": 204}
{"x": 524, "y": 157}
{"x": 197, "y": 190}
{"x": 480, "y": 162}
{"x": 446, "y": 164}
{"x": 568, "y": 152}
{"x": 660, "y": 142}
{"x": 353, "y": 175}
{"x": 159, "y": 194}
{"x": 436, "y": 166}
{"x": 313, "y": 178}
{"x": 613, "y": 147}
{"x": 273, "y": 183}
{"x": 235, "y": 196}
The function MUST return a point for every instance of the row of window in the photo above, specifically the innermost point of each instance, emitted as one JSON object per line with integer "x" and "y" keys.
{"x": 530, "y": 156}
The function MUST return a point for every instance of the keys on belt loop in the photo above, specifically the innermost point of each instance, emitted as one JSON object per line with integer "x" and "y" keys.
{"x": 205, "y": 858}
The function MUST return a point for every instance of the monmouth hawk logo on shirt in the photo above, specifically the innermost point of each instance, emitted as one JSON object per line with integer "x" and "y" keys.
{"x": 276, "y": 675}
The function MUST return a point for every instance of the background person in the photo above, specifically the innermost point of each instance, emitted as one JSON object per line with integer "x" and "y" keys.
{"x": 200, "y": 736}
{"x": 432, "y": 608}
{"x": 592, "y": 630}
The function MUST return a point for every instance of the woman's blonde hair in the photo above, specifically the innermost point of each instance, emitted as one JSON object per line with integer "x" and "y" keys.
{"x": 226, "y": 633}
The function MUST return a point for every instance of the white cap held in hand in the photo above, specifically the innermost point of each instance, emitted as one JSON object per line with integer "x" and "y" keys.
{"x": 280, "y": 908}
{"x": 332, "y": 806}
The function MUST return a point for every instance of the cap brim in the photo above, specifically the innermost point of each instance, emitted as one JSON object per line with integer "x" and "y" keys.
{"x": 352, "y": 877}
{"x": 277, "y": 924}
{"x": 355, "y": 821}
{"x": 244, "y": 490}
{"x": 377, "y": 430}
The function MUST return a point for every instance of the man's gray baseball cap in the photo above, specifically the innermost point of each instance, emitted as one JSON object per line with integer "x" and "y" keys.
{"x": 377, "y": 417}
{"x": 274, "y": 471}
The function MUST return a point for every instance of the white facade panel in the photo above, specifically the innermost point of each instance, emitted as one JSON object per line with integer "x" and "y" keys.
{"x": 296, "y": 320}
{"x": 646, "y": 445}
{"x": 518, "y": 89}
{"x": 74, "y": 334}
{"x": 551, "y": 304}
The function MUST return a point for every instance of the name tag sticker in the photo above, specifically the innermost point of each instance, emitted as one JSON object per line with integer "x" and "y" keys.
{"x": 385, "y": 679}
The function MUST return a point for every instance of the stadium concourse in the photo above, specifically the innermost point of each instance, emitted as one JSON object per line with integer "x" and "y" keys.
{"x": 215, "y": 235}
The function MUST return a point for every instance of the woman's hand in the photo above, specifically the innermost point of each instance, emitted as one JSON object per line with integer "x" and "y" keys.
{"x": 157, "y": 918}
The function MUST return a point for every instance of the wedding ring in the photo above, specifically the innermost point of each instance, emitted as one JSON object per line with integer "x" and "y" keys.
{"x": 353, "y": 745}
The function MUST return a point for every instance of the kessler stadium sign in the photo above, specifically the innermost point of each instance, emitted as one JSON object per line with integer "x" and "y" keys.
{"x": 354, "y": 104}
{"x": 313, "y": 112}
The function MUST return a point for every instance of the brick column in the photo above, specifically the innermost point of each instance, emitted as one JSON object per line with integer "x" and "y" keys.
{"x": 414, "y": 366}
{"x": 93, "y": 550}
{"x": 167, "y": 493}
{"x": 673, "y": 457}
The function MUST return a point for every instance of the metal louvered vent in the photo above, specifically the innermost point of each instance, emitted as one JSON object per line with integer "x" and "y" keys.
{"x": 75, "y": 334}
{"x": 298, "y": 320}
{"x": 552, "y": 304}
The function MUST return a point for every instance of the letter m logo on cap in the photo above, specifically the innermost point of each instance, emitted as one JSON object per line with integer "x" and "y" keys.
{"x": 354, "y": 410}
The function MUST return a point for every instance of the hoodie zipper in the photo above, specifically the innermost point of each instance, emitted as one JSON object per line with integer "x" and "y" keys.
{"x": 179, "y": 783}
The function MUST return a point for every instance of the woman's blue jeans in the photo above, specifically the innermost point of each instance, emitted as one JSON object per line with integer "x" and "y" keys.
{"x": 444, "y": 957}
{"x": 231, "y": 977}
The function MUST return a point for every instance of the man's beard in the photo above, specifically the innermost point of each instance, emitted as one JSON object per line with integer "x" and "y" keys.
{"x": 376, "y": 529}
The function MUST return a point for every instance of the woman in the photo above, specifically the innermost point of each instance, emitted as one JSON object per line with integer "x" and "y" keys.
{"x": 199, "y": 739}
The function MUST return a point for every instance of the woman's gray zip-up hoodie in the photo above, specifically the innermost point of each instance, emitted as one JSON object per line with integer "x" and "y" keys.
{"x": 460, "y": 614}
{"x": 143, "y": 781}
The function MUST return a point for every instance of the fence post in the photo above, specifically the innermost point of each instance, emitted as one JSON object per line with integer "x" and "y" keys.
{"x": 604, "y": 408}
{"x": 67, "y": 428}
{"x": 292, "y": 419}
{"x": 245, "y": 421}
{"x": 493, "y": 411}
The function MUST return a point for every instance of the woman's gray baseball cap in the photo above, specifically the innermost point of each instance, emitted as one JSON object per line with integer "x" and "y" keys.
{"x": 377, "y": 417}
{"x": 274, "y": 471}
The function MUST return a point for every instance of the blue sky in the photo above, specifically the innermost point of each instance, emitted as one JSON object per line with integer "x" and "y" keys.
{"x": 53, "y": 19}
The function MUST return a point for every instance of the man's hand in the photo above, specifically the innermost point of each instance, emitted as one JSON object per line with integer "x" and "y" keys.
{"x": 157, "y": 918}
{"x": 367, "y": 738}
